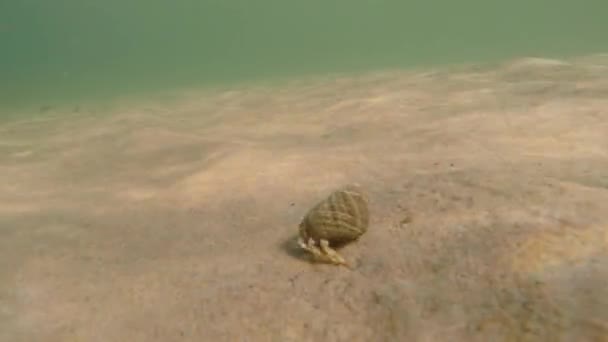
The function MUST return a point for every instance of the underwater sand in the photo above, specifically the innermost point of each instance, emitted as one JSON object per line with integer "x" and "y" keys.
{"x": 175, "y": 220}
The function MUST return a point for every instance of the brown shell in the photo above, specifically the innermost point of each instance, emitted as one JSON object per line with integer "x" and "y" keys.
{"x": 342, "y": 217}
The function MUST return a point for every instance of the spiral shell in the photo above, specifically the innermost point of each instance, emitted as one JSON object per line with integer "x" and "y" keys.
{"x": 340, "y": 218}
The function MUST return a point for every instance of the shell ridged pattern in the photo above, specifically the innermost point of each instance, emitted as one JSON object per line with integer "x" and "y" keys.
{"x": 342, "y": 217}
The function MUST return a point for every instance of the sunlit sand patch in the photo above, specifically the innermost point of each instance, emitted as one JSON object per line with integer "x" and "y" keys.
{"x": 249, "y": 132}
{"x": 138, "y": 194}
{"x": 540, "y": 134}
{"x": 152, "y": 139}
{"x": 536, "y": 63}
{"x": 236, "y": 172}
{"x": 380, "y": 98}
{"x": 547, "y": 249}
{"x": 13, "y": 143}
{"x": 18, "y": 208}
{"x": 560, "y": 148}
{"x": 252, "y": 171}
{"x": 48, "y": 233}
{"x": 345, "y": 105}
{"x": 172, "y": 171}
{"x": 19, "y": 198}
{"x": 22, "y": 154}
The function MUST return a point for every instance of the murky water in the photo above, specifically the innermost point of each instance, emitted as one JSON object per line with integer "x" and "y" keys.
{"x": 71, "y": 50}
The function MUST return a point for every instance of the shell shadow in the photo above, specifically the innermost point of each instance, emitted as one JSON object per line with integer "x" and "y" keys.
{"x": 291, "y": 247}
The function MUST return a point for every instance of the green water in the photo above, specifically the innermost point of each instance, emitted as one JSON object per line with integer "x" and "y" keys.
{"x": 72, "y": 50}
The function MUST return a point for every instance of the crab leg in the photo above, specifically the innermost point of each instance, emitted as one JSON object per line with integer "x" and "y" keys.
{"x": 310, "y": 246}
{"x": 333, "y": 256}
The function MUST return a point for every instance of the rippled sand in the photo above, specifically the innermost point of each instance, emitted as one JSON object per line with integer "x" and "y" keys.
{"x": 174, "y": 220}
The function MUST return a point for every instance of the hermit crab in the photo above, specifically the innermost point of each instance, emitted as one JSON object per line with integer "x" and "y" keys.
{"x": 339, "y": 219}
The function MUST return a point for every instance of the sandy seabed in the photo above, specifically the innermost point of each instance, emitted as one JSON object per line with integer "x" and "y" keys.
{"x": 175, "y": 220}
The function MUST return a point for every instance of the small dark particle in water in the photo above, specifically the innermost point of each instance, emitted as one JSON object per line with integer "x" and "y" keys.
{"x": 404, "y": 221}
{"x": 45, "y": 108}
